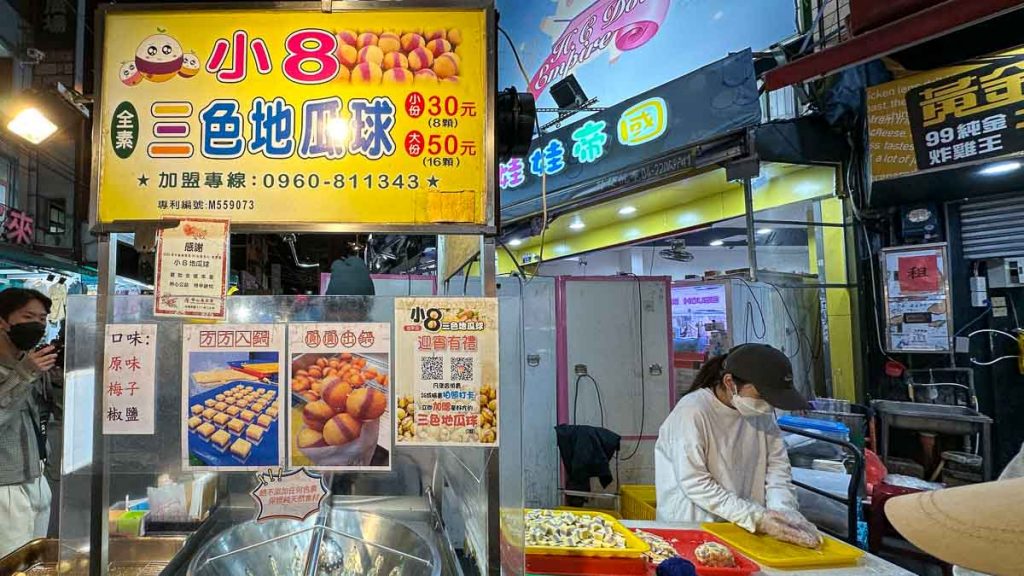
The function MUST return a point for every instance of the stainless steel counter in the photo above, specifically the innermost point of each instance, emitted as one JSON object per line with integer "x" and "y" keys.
{"x": 131, "y": 557}
{"x": 411, "y": 511}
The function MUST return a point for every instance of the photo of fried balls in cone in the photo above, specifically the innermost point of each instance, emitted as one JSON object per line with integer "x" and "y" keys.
{"x": 338, "y": 401}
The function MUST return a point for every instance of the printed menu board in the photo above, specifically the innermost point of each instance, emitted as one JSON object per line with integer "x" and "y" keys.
{"x": 446, "y": 359}
{"x": 290, "y": 115}
{"x": 340, "y": 396}
{"x": 129, "y": 378}
{"x": 232, "y": 409}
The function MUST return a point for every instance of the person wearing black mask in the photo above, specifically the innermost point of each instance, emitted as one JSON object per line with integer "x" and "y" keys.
{"x": 24, "y": 379}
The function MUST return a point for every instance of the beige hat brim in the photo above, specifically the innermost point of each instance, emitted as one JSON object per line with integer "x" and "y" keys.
{"x": 980, "y": 527}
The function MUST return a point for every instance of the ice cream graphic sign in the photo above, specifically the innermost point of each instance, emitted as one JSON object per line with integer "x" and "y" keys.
{"x": 624, "y": 24}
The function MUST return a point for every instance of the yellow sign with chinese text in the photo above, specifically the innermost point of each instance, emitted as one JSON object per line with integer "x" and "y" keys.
{"x": 942, "y": 118}
{"x": 288, "y": 118}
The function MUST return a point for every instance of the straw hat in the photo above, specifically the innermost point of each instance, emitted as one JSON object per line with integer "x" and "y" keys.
{"x": 980, "y": 527}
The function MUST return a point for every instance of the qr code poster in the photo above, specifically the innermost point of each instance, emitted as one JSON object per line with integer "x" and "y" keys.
{"x": 340, "y": 396}
{"x": 446, "y": 381}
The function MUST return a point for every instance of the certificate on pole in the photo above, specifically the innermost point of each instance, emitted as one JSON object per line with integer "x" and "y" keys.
{"x": 191, "y": 270}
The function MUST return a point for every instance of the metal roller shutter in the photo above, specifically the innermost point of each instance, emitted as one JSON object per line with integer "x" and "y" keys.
{"x": 993, "y": 228}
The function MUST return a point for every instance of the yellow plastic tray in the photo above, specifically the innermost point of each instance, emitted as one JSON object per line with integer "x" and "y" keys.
{"x": 639, "y": 501}
{"x": 771, "y": 552}
{"x": 585, "y": 510}
{"x": 635, "y": 547}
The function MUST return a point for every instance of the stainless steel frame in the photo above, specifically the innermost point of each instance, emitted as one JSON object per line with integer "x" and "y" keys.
{"x": 317, "y": 8}
{"x": 107, "y": 248}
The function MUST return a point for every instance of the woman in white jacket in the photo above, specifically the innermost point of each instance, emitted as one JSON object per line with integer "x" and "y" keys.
{"x": 720, "y": 454}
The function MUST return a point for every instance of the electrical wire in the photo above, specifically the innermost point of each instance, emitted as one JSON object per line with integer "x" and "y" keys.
{"x": 939, "y": 384}
{"x": 976, "y": 363}
{"x": 1013, "y": 308}
{"x": 515, "y": 53}
{"x": 750, "y": 315}
{"x": 543, "y": 176}
{"x": 519, "y": 269}
{"x": 972, "y": 322}
{"x": 1000, "y": 332}
{"x": 874, "y": 296}
{"x": 576, "y": 397}
{"x": 799, "y": 333}
{"x": 643, "y": 367}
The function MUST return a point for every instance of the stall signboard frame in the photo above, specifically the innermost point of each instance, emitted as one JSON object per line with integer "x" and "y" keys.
{"x": 414, "y": 157}
{"x": 464, "y": 204}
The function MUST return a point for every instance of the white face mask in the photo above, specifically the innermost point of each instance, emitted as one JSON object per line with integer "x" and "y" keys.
{"x": 750, "y": 407}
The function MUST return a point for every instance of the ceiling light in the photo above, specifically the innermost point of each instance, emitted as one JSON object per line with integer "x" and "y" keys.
{"x": 716, "y": 243}
{"x": 577, "y": 224}
{"x": 763, "y": 231}
{"x": 627, "y": 210}
{"x": 32, "y": 125}
{"x": 999, "y": 168}
{"x": 515, "y": 242}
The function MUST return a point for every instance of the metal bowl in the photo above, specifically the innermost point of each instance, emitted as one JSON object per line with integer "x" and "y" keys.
{"x": 353, "y": 543}
{"x": 251, "y": 548}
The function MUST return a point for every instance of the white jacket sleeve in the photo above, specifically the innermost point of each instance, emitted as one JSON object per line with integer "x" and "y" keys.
{"x": 690, "y": 469}
{"x": 780, "y": 494}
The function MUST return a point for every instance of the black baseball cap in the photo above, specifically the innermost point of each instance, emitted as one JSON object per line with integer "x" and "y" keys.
{"x": 770, "y": 371}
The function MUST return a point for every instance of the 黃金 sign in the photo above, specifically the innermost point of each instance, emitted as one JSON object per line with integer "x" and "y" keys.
{"x": 943, "y": 118}
{"x": 282, "y": 117}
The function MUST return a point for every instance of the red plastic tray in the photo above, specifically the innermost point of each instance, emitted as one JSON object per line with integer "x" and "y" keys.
{"x": 686, "y": 541}
{"x": 585, "y": 565}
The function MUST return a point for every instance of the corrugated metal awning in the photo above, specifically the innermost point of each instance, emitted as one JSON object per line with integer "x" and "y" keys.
{"x": 992, "y": 228}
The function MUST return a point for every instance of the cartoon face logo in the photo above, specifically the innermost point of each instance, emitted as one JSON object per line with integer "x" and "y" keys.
{"x": 159, "y": 57}
{"x": 129, "y": 74}
{"x": 189, "y": 65}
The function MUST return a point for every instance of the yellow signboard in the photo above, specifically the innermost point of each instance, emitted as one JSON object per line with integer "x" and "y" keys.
{"x": 947, "y": 117}
{"x": 296, "y": 118}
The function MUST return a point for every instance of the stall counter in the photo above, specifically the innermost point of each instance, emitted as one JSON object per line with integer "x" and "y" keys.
{"x": 869, "y": 563}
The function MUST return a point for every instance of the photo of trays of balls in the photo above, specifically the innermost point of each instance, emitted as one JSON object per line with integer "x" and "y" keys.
{"x": 422, "y": 57}
{"x": 340, "y": 411}
{"x": 235, "y": 424}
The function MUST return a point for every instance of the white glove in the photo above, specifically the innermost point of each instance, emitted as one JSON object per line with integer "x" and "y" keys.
{"x": 789, "y": 526}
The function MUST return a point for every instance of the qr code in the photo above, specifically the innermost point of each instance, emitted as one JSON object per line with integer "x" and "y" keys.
{"x": 462, "y": 369}
{"x": 432, "y": 367}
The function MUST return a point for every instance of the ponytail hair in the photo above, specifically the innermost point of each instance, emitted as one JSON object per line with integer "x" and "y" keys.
{"x": 710, "y": 375}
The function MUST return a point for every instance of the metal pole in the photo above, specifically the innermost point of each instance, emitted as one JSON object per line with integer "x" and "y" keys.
{"x": 99, "y": 488}
{"x": 489, "y": 289}
{"x": 80, "y": 47}
{"x": 442, "y": 260}
{"x": 748, "y": 202}
{"x": 821, "y": 269}
{"x": 488, "y": 268}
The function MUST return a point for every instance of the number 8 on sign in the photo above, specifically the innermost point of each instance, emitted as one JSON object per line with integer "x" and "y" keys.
{"x": 311, "y": 45}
